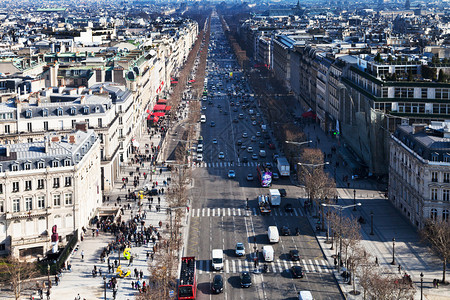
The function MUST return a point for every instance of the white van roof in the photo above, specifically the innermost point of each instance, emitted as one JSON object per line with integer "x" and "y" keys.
{"x": 217, "y": 252}
{"x": 305, "y": 295}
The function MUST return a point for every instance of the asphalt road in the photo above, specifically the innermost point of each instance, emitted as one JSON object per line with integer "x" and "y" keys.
{"x": 219, "y": 218}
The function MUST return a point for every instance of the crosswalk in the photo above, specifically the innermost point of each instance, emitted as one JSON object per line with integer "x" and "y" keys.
{"x": 236, "y": 212}
{"x": 223, "y": 164}
{"x": 278, "y": 266}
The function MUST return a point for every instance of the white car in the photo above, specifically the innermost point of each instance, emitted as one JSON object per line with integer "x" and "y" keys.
{"x": 221, "y": 155}
{"x": 231, "y": 174}
{"x": 240, "y": 249}
{"x": 250, "y": 149}
{"x": 204, "y": 108}
{"x": 245, "y": 135}
{"x": 199, "y": 157}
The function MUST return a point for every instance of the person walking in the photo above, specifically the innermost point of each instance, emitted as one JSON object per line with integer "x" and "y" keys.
{"x": 82, "y": 254}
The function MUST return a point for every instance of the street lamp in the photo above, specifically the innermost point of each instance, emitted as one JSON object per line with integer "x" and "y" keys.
{"x": 371, "y": 223}
{"x": 48, "y": 280}
{"x": 314, "y": 165}
{"x": 340, "y": 208}
{"x": 393, "y": 251}
{"x": 104, "y": 285}
{"x": 354, "y": 199}
{"x": 421, "y": 285}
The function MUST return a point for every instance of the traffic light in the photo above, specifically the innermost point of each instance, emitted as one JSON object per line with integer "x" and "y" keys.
{"x": 335, "y": 132}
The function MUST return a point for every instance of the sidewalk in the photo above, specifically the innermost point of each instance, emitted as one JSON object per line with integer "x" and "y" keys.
{"x": 80, "y": 280}
{"x": 388, "y": 223}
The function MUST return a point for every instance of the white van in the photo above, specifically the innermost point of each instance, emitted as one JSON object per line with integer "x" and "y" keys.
{"x": 200, "y": 148}
{"x": 305, "y": 295}
{"x": 274, "y": 236}
{"x": 268, "y": 253}
{"x": 217, "y": 259}
{"x": 203, "y": 118}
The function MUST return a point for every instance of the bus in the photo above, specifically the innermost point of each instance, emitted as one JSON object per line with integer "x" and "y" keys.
{"x": 264, "y": 175}
{"x": 187, "y": 287}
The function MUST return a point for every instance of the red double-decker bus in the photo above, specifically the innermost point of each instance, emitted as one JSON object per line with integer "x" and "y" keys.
{"x": 187, "y": 287}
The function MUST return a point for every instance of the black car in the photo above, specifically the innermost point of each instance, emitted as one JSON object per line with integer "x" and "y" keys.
{"x": 246, "y": 279}
{"x": 297, "y": 272}
{"x": 152, "y": 192}
{"x": 239, "y": 142}
{"x": 282, "y": 192}
{"x": 235, "y": 120}
{"x": 285, "y": 230}
{"x": 217, "y": 284}
{"x": 245, "y": 159}
{"x": 288, "y": 208}
{"x": 294, "y": 255}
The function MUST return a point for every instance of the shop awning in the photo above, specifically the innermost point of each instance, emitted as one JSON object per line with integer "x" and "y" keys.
{"x": 159, "y": 107}
{"x": 155, "y": 119}
{"x": 309, "y": 114}
{"x": 158, "y": 114}
{"x": 162, "y": 101}
{"x": 168, "y": 107}
{"x": 192, "y": 80}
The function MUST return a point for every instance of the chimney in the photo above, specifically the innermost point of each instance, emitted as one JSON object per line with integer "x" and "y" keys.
{"x": 8, "y": 150}
{"x": 101, "y": 90}
{"x": 83, "y": 99}
{"x": 82, "y": 126}
{"x": 418, "y": 128}
{"x": 80, "y": 89}
{"x": 61, "y": 89}
{"x": 90, "y": 92}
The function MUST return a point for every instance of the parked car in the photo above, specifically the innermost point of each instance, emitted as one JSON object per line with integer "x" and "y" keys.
{"x": 231, "y": 174}
{"x": 250, "y": 177}
{"x": 282, "y": 192}
{"x": 294, "y": 255}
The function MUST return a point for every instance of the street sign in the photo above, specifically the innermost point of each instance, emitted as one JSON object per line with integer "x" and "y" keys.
{"x": 171, "y": 294}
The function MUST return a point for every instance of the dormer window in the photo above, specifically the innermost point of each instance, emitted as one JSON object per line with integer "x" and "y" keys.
{"x": 67, "y": 162}
{"x": 15, "y": 167}
{"x": 86, "y": 110}
{"x": 435, "y": 156}
{"x": 55, "y": 164}
{"x": 73, "y": 110}
{"x": 447, "y": 157}
{"x": 1, "y": 168}
{"x": 45, "y": 112}
{"x": 59, "y": 111}
{"x": 27, "y": 165}
{"x": 97, "y": 109}
{"x": 28, "y": 113}
{"x": 41, "y": 165}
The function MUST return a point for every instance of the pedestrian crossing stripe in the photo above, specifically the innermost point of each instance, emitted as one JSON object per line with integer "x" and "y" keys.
{"x": 222, "y": 164}
{"x": 279, "y": 266}
{"x": 235, "y": 212}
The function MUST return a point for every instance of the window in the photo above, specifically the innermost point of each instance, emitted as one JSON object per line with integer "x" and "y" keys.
{"x": 67, "y": 163}
{"x": 99, "y": 122}
{"x": 1, "y": 188}
{"x": 15, "y": 167}
{"x": 28, "y": 113}
{"x": 447, "y": 177}
{"x": 40, "y": 183}
{"x": 45, "y": 125}
{"x": 73, "y": 111}
{"x": 45, "y": 112}
{"x": 29, "y": 140}
{"x": 120, "y": 121}
{"x": 445, "y": 214}
{"x": 68, "y": 199}
{"x": 433, "y": 213}
{"x": 28, "y": 203}
{"x": 2, "y": 206}
{"x": 40, "y": 201}
{"x": 446, "y": 195}
{"x": 27, "y": 185}
{"x": 57, "y": 200}
{"x": 29, "y": 127}
{"x": 55, "y": 164}
{"x": 56, "y": 182}
{"x": 41, "y": 165}
{"x": 59, "y": 111}
{"x": 27, "y": 166}
{"x": 424, "y": 93}
{"x": 434, "y": 157}
{"x": 7, "y": 129}
{"x": 86, "y": 110}
{"x": 16, "y": 205}
{"x": 434, "y": 194}
{"x": 434, "y": 176}
{"x": 15, "y": 188}
{"x": 68, "y": 181}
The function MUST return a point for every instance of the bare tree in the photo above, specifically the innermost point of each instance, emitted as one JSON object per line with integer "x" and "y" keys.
{"x": 162, "y": 277}
{"x": 437, "y": 234}
{"x": 15, "y": 272}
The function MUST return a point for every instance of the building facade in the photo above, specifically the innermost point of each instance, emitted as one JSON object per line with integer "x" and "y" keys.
{"x": 47, "y": 183}
{"x": 419, "y": 172}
